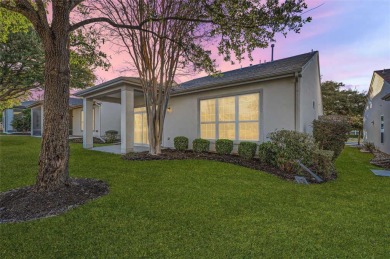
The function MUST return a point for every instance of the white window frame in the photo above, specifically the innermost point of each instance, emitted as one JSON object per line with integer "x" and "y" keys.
{"x": 236, "y": 121}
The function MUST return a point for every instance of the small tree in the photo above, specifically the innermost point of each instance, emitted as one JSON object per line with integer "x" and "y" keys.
{"x": 22, "y": 121}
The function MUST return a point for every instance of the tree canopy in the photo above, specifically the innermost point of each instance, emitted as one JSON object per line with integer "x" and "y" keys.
{"x": 22, "y": 62}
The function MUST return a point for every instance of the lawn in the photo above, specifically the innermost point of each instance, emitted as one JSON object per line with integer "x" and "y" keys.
{"x": 200, "y": 209}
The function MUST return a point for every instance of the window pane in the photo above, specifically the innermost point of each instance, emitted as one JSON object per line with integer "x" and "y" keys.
{"x": 207, "y": 110}
{"x": 207, "y": 131}
{"x": 82, "y": 120}
{"x": 227, "y": 131}
{"x": 248, "y": 131}
{"x": 248, "y": 107}
{"x": 145, "y": 136}
{"x": 140, "y": 109}
{"x": 138, "y": 128}
{"x": 227, "y": 109}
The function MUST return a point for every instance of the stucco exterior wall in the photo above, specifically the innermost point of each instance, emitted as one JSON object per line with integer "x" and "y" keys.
{"x": 109, "y": 117}
{"x": 276, "y": 101}
{"x": 310, "y": 100}
{"x": 372, "y": 115}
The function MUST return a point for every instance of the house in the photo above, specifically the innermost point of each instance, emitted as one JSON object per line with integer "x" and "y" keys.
{"x": 9, "y": 114}
{"x": 376, "y": 121}
{"x": 108, "y": 113}
{"x": 242, "y": 105}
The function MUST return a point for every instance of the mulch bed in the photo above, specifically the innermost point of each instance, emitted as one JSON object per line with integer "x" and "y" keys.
{"x": 172, "y": 154}
{"x": 80, "y": 140}
{"x": 25, "y": 204}
{"x": 381, "y": 159}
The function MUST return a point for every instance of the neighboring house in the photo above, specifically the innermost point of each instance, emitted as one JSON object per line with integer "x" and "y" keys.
{"x": 243, "y": 105}
{"x": 8, "y": 116}
{"x": 376, "y": 119}
{"x": 105, "y": 116}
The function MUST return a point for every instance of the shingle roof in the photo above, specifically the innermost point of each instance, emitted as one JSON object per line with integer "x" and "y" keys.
{"x": 73, "y": 102}
{"x": 260, "y": 71}
{"x": 385, "y": 74}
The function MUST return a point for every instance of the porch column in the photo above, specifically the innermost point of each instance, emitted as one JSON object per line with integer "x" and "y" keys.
{"x": 127, "y": 120}
{"x": 88, "y": 123}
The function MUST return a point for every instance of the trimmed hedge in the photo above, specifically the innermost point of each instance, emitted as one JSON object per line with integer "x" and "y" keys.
{"x": 331, "y": 133}
{"x": 247, "y": 150}
{"x": 180, "y": 143}
{"x": 111, "y": 136}
{"x": 224, "y": 146}
{"x": 201, "y": 145}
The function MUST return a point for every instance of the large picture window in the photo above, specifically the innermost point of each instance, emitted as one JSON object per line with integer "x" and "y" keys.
{"x": 233, "y": 117}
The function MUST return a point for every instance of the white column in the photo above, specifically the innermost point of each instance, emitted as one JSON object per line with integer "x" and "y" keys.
{"x": 88, "y": 123}
{"x": 42, "y": 114}
{"x": 127, "y": 120}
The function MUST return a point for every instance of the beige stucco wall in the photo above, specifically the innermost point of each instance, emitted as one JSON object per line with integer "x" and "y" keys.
{"x": 310, "y": 100}
{"x": 277, "y": 109}
{"x": 107, "y": 117}
{"x": 374, "y": 109}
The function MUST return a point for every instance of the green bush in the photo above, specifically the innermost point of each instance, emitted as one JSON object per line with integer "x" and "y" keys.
{"x": 247, "y": 150}
{"x": 224, "y": 146}
{"x": 200, "y": 145}
{"x": 180, "y": 143}
{"x": 22, "y": 121}
{"x": 322, "y": 163}
{"x": 285, "y": 148}
{"x": 331, "y": 133}
{"x": 111, "y": 136}
{"x": 268, "y": 152}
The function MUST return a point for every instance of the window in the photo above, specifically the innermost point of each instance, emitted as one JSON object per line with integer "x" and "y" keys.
{"x": 382, "y": 129}
{"x": 140, "y": 126}
{"x": 233, "y": 117}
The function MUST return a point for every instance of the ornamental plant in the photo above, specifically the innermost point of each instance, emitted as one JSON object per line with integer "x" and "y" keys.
{"x": 224, "y": 146}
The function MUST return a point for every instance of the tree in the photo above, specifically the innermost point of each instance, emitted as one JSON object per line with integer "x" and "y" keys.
{"x": 175, "y": 33}
{"x": 22, "y": 63}
{"x": 350, "y": 103}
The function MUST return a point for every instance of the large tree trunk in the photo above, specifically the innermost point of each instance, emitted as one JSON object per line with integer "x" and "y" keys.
{"x": 54, "y": 156}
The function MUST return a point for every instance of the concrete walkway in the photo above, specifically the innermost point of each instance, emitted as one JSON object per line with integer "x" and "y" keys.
{"x": 381, "y": 172}
{"x": 116, "y": 149}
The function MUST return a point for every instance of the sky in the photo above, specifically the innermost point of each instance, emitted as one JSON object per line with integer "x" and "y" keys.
{"x": 352, "y": 37}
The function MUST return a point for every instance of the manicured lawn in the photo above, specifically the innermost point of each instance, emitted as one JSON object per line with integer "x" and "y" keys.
{"x": 201, "y": 209}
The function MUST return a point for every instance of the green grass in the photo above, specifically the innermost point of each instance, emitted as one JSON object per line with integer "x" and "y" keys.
{"x": 201, "y": 209}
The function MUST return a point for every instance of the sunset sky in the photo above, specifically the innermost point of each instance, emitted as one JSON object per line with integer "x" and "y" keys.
{"x": 352, "y": 37}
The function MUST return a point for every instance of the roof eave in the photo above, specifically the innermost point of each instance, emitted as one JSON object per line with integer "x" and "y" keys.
{"x": 210, "y": 87}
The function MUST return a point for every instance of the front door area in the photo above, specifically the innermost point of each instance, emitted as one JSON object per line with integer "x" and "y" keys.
{"x": 140, "y": 126}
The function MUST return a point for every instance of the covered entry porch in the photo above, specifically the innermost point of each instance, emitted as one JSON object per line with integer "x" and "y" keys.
{"x": 127, "y": 93}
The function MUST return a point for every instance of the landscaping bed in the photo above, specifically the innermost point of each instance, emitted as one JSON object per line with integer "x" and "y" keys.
{"x": 80, "y": 140}
{"x": 381, "y": 159}
{"x": 255, "y": 163}
{"x": 25, "y": 204}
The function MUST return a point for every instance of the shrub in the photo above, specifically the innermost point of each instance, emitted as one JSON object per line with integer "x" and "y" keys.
{"x": 111, "y": 136}
{"x": 200, "y": 145}
{"x": 22, "y": 121}
{"x": 180, "y": 143}
{"x": 331, "y": 133}
{"x": 285, "y": 148}
{"x": 224, "y": 146}
{"x": 322, "y": 163}
{"x": 369, "y": 146}
{"x": 267, "y": 152}
{"x": 247, "y": 150}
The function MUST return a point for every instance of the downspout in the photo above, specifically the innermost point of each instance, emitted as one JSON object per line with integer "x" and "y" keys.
{"x": 298, "y": 75}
